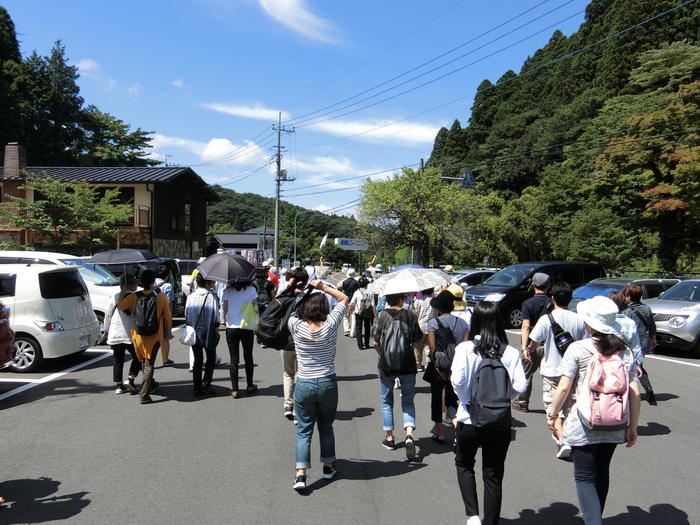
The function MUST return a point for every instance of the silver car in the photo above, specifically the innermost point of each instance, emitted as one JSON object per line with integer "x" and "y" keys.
{"x": 677, "y": 316}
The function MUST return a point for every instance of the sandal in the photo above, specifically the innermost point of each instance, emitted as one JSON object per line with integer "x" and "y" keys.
{"x": 251, "y": 389}
{"x": 234, "y": 394}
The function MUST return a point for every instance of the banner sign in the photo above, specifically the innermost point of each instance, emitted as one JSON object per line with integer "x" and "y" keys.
{"x": 353, "y": 244}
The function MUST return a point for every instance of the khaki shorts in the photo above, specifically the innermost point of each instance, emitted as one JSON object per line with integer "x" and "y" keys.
{"x": 549, "y": 386}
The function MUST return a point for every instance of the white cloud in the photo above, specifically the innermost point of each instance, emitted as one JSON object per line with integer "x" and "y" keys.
{"x": 178, "y": 83}
{"x": 88, "y": 66}
{"x": 134, "y": 90}
{"x": 381, "y": 130}
{"x": 295, "y": 15}
{"x": 248, "y": 153}
{"x": 257, "y": 111}
{"x": 322, "y": 208}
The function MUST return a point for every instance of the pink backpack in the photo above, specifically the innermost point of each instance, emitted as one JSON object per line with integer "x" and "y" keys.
{"x": 602, "y": 399}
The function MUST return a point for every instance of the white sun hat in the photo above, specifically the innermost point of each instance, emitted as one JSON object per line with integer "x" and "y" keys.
{"x": 600, "y": 314}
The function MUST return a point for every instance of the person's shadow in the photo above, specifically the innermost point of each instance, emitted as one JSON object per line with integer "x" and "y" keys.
{"x": 567, "y": 514}
{"x": 28, "y": 501}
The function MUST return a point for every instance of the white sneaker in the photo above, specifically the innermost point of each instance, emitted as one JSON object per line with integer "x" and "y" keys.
{"x": 473, "y": 520}
{"x": 397, "y": 383}
{"x": 564, "y": 452}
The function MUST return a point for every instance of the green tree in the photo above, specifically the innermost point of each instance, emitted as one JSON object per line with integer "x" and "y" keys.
{"x": 109, "y": 141}
{"x": 74, "y": 216}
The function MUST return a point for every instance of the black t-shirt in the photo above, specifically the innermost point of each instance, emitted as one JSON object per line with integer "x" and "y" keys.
{"x": 532, "y": 307}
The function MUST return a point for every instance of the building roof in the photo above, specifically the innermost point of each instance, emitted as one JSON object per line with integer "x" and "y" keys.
{"x": 236, "y": 239}
{"x": 118, "y": 175}
{"x": 270, "y": 230}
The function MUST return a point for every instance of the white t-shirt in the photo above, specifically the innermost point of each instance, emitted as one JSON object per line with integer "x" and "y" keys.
{"x": 464, "y": 365}
{"x": 242, "y": 310}
{"x": 311, "y": 270}
{"x": 542, "y": 332}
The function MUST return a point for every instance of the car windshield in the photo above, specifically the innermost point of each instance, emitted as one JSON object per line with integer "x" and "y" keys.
{"x": 510, "y": 276}
{"x": 93, "y": 273}
{"x": 684, "y": 291}
{"x": 587, "y": 291}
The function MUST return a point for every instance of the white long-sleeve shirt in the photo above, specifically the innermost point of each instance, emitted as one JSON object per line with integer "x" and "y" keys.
{"x": 464, "y": 365}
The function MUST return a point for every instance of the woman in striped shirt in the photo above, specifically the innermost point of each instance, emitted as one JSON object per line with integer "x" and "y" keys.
{"x": 316, "y": 389}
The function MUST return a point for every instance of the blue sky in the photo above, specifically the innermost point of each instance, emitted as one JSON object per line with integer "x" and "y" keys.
{"x": 209, "y": 76}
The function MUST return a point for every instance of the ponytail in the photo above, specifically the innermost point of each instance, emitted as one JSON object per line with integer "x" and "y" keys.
{"x": 608, "y": 344}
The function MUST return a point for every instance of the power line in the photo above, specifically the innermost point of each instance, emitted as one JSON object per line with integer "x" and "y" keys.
{"x": 224, "y": 156}
{"x": 390, "y": 46}
{"x": 303, "y": 116}
{"x": 518, "y": 76}
{"x": 353, "y": 178}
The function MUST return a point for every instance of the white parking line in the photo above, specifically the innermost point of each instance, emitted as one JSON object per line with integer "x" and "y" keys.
{"x": 36, "y": 382}
{"x": 31, "y": 383}
{"x": 671, "y": 360}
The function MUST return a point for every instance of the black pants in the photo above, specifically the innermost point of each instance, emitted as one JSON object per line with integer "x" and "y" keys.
{"x": 494, "y": 447}
{"x": 363, "y": 327}
{"x": 592, "y": 476}
{"x": 234, "y": 336}
{"x": 118, "y": 368}
{"x": 437, "y": 385}
{"x": 198, "y": 351}
{"x": 644, "y": 380}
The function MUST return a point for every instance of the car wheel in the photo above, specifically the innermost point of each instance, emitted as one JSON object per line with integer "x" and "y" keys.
{"x": 29, "y": 356}
{"x": 515, "y": 318}
{"x": 696, "y": 349}
{"x": 101, "y": 319}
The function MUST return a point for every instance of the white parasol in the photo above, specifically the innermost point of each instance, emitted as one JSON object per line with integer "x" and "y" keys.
{"x": 409, "y": 280}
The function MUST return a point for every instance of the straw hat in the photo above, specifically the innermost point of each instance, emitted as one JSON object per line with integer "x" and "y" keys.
{"x": 458, "y": 292}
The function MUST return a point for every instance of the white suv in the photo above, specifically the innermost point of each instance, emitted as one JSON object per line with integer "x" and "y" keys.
{"x": 50, "y": 312}
{"x": 101, "y": 284}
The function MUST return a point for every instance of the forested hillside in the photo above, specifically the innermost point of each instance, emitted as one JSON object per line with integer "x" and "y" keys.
{"x": 237, "y": 212}
{"x": 591, "y": 151}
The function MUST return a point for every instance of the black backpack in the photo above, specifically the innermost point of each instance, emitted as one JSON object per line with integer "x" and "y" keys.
{"x": 490, "y": 392}
{"x": 145, "y": 313}
{"x": 562, "y": 338}
{"x": 396, "y": 341}
{"x": 444, "y": 349}
{"x": 272, "y": 330}
{"x": 263, "y": 294}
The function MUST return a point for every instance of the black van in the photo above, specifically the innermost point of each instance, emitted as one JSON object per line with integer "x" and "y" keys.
{"x": 510, "y": 286}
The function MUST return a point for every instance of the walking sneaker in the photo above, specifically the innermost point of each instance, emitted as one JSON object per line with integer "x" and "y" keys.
{"x": 121, "y": 389}
{"x": 146, "y": 400}
{"x": 289, "y": 413}
{"x": 410, "y": 448}
{"x": 564, "y": 452}
{"x": 397, "y": 383}
{"x": 520, "y": 408}
{"x": 129, "y": 384}
{"x": 651, "y": 397}
{"x": 389, "y": 445}
{"x": 299, "y": 483}
{"x": 169, "y": 362}
{"x": 473, "y": 520}
{"x": 329, "y": 472}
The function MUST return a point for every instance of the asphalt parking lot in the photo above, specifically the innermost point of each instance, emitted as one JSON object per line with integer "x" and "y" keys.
{"x": 74, "y": 452}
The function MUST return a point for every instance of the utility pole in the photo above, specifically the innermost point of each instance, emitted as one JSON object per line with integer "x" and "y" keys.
{"x": 421, "y": 167}
{"x": 279, "y": 179}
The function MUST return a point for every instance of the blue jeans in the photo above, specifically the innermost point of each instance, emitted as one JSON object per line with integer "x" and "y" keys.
{"x": 315, "y": 401}
{"x": 386, "y": 393}
{"x": 592, "y": 476}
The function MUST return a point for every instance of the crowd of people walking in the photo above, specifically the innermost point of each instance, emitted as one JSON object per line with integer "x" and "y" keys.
{"x": 591, "y": 362}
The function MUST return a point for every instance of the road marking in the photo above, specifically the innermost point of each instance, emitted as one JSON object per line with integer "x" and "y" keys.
{"x": 671, "y": 360}
{"x": 36, "y": 382}
{"x": 31, "y": 383}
